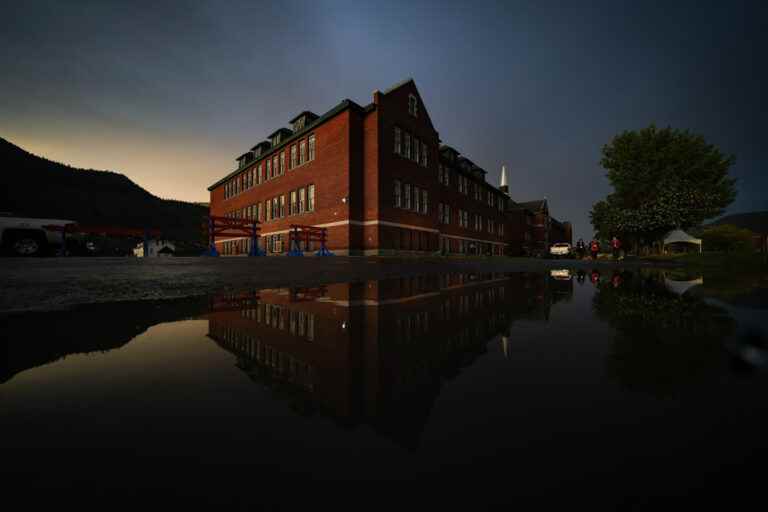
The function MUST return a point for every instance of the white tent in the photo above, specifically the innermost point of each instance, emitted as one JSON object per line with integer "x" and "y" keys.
{"x": 679, "y": 235}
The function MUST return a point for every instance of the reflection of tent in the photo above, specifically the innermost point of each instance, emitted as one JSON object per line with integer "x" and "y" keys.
{"x": 680, "y": 287}
{"x": 678, "y": 236}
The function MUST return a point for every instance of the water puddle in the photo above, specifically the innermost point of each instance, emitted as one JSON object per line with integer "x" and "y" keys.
{"x": 560, "y": 378}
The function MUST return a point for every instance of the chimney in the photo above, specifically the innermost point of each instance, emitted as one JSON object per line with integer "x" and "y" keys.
{"x": 504, "y": 187}
{"x": 377, "y": 97}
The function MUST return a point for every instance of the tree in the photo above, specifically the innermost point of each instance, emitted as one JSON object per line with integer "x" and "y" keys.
{"x": 726, "y": 238}
{"x": 663, "y": 179}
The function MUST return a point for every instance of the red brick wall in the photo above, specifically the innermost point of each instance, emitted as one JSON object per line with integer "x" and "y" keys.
{"x": 329, "y": 172}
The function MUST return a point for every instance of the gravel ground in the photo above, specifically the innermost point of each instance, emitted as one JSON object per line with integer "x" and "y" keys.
{"x": 57, "y": 283}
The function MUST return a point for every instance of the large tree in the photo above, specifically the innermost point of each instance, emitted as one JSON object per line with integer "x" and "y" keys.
{"x": 663, "y": 179}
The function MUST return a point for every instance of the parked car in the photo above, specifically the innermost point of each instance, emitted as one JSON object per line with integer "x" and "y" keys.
{"x": 560, "y": 250}
{"x": 26, "y": 236}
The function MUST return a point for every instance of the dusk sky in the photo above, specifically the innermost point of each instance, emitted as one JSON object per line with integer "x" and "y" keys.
{"x": 170, "y": 94}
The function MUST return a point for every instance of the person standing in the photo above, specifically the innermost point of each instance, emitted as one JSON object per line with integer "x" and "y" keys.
{"x": 580, "y": 248}
{"x": 594, "y": 248}
{"x": 616, "y": 247}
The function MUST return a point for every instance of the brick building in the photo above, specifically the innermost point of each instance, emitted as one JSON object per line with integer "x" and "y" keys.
{"x": 376, "y": 176}
{"x": 532, "y": 230}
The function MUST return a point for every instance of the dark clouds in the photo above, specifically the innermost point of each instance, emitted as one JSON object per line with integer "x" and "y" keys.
{"x": 536, "y": 85}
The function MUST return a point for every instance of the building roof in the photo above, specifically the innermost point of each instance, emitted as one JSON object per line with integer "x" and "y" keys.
{"x": 305, "y": 112}
{"x": 341, "y": 107}
{"x": 537, "y": 205}
{"x": 286, "y": 131}
{"x": 399, "y": 85}
{"x": 448, "y": 149}
{"x": 262, "y": 144}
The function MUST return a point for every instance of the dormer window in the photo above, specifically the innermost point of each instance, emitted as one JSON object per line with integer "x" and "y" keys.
{"x": 413, "y": 105}
{"x": 276, "y": 140}
{"x": 303, "y": 121}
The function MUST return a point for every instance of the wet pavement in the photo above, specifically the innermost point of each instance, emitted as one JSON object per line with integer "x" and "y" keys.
{"x": 56, "y": 283}
{"x": 626, "y": 386}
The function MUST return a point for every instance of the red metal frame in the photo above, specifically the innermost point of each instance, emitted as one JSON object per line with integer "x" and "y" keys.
{"x": 226, "y": 226}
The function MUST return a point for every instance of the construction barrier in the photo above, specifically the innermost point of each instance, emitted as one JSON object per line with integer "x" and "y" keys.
{"x": 225, "y": 226}
{"x": 307, "y": 234}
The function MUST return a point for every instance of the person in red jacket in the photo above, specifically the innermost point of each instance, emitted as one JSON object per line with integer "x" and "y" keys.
{"x": 594, "y": 248}
{"x": 616, "y": 247}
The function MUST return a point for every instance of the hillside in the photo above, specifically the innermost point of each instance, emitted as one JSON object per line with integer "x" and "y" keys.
{"x": 757, "y": 222}
{"x": 36, "y": 187}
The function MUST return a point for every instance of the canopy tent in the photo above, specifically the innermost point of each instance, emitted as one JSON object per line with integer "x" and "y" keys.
{"x": 679, "y": 235}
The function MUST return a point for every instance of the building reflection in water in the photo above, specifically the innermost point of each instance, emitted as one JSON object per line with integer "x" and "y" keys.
{"x": 376, "y": 352}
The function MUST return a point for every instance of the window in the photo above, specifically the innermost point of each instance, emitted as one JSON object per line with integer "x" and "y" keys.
{"x": 466, "y": 219}
{"x": 282, "y": 162}
{"x": 268, "y": 209}
{"x": 424, "y": 155}
{"x": 440, "y": 213}
{"x": 293, "y": 156}
{"x": 275, "y": 208}
{"x": 275, "y": 168}
{"x": 416, "y": 199}
{"x": 407, "y": 193}
{"x": 424, "y": 202}
{"x": 311, "y": 198}
{"x": 311, "y": 147}
{"x": 501, "y": 229}
{"x": 398, "y": 194}
{"x": 293, "y": 206}
{"x": 258, "y": 212}
{"x": 269, "y": 169}
{"x": 416, "y": 150}
{"x": 302, "y": 200}
{"x": 302, "y": 151}
{"x": 407, "y": 137}
{"x": 413, "y": 105}
{"x": 398, "y": 145}
{"x": 258, "y": 175}
{"x": 282, "y": 206}
{"x": 446, "y": 214}
{"x": 489, "y": 224}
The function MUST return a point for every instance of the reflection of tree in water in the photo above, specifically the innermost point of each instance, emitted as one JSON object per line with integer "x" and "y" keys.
{"x": 663, "y": 341}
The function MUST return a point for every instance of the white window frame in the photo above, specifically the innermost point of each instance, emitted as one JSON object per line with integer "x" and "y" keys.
{"x": 311, "y": 142}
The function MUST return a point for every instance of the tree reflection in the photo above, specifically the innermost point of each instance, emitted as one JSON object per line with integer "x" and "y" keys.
{"x": 664, "y": 341}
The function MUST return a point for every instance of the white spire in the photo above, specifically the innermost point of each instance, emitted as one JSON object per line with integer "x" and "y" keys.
{"x": 503, "y": 176}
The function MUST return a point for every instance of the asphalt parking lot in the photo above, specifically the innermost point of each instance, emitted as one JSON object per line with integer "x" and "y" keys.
{"x": 55, "y": 283}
